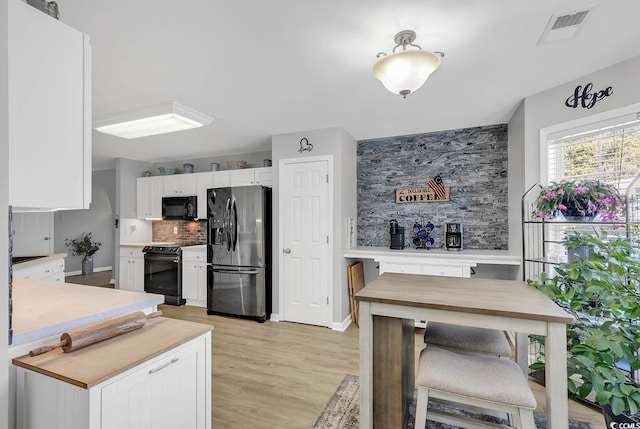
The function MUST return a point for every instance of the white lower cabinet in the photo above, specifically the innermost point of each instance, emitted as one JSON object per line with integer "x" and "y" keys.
{"x": 52, "y": 270}
{"x": 131, "y": 269}
{"x": 131, "y": 274}
{"x": 170, "y": 391}
{"x": 194, "y": 277}
{"x": 167, "y": 393}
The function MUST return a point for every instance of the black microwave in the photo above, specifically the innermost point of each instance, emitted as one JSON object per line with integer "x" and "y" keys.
{"x": 179, "y": 208}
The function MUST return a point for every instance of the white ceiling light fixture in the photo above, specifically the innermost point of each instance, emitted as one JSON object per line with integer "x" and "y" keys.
{"x": 161, "y": 118}
{"x": 405, "y": 71}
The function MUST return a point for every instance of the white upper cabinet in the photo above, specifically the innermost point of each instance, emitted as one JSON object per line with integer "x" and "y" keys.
{"x": 179, "y": 184}
{"x": 152, "y": 189}
{"x": 241, "y": 177}
{"x": 149, "y": 197}
{"x": 263, "y": 176}
{"x": 251, "y": 176}
{"x": 208, "y": 180}
{"x": 49, "y": 103}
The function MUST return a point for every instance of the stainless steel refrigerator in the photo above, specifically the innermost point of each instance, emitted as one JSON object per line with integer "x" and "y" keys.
{"x": 239, "y": 252}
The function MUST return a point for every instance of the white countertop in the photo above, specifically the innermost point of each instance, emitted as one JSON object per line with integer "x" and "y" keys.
{"x": 43, "y": 309}
{"x": 197, "y": 247}
{"x": 498, "y": 257}
{"x": 37, "y": 261}
{"x": 164, "y": 243}
{"x": 149, "y": 243}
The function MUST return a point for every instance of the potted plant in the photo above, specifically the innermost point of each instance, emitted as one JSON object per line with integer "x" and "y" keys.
{"x": 84, "y": 246}
{"x": 601, "y": 292}
{"x": 579, "y": 200}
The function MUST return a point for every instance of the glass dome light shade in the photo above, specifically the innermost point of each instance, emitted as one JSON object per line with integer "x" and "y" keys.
{"x": 406, "y": 71}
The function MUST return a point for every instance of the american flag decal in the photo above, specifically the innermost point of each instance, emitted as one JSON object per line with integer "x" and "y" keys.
{"x": 438, "y": 188}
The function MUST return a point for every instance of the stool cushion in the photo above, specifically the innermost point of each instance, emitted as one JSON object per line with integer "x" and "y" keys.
{"x": 480, "y": 340}
{"x": 489, "y": 378}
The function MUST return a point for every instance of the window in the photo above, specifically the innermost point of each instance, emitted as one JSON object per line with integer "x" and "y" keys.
{"x": 608, "y": 152}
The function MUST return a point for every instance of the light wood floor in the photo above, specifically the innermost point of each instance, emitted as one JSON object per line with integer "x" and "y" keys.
{"x": 98, "y": 278}
{"x": 281, "y": 375}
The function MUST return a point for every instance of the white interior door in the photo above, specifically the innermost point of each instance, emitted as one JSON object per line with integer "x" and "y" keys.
{"x": 33, "y": 233}
{"x": 304, "y": 230}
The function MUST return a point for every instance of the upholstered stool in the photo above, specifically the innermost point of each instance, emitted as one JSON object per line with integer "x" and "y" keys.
{"x": 487, "y": 382}
{"x": 467, "y": 339}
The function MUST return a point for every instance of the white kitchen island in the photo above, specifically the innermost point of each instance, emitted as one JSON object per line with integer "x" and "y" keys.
{"x": 158, "y": 376}
{"x": 43, "y": 310}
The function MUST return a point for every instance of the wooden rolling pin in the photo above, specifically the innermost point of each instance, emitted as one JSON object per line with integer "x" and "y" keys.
{"x": 96, "y": 332}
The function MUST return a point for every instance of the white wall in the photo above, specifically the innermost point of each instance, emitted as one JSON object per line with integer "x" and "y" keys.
{"x": 547, "y": 109}
{"x": 4, "y": 201}
{"x": 127, "y": 171}
{"x": 336, "y": 142}
{"x": 515, "y": 161}
{"x": 98, "y": 219}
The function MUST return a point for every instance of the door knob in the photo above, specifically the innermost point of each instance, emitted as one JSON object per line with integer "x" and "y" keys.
{"x": 286, "y": 250}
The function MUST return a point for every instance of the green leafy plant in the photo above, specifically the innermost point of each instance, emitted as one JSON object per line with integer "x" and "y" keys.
{"x": 579, "y": 198}
{"x": 601, "y": 292}
{"x": 83, "y": 246}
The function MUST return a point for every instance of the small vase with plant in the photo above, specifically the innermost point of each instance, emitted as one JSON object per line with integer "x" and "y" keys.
{"x": 601, "y": 292}
{"x": 579, "y": 200}
{"x": 84, "y": 246}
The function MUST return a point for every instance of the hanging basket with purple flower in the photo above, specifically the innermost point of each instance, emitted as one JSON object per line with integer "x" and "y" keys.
{"x": 579, "y": 200}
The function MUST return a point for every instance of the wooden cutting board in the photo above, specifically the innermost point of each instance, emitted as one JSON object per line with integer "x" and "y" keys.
{"x": 99, "y": 362}
{"x": 356, "y": 284}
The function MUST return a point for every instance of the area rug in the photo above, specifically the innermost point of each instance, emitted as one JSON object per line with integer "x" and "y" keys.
{"x": 342, "y": 411}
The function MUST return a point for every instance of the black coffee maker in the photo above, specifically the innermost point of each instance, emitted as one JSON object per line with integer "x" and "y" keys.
{"x": 397, "y": 235}
{"x": 453, "y": 236}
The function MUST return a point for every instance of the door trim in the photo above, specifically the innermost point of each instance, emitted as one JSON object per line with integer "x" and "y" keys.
{"x": 282, "y": 316}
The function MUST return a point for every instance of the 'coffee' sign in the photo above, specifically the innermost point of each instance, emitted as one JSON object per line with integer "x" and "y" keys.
{"x": 420, "y": 195}
{"x": 583, "y": 97}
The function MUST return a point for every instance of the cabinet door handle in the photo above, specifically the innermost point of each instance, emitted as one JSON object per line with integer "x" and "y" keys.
{"x": 161, "y": 367}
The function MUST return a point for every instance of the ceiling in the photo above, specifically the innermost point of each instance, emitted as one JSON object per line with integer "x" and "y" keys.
{"x": 269, "y": 67}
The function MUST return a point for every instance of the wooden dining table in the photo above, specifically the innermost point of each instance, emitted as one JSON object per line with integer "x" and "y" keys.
{"x": 389, "y": 305}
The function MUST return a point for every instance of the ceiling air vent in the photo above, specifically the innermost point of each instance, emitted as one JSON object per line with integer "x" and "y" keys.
{"x": 564, "y": 26}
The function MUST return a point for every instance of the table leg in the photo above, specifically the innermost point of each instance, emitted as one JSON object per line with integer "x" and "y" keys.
{"x": 365, "y": 324}
{"x": 393, "y": 371}
{"x": 522, "y": 351}
{"x": 556, "y": 376}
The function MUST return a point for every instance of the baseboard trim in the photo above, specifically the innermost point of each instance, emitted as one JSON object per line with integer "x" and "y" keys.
{"x": 275, "y": 317}
{"x": 95, "y": 270}
{"x": 341, "y": 327}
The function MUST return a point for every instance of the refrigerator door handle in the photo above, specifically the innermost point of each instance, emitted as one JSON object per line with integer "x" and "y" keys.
{"x": 250, "y": 272}
{"x": 227, "y": 224}
{"x": 234, "y": 210}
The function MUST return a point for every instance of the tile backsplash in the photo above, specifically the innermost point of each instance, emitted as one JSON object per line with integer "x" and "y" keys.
{"x": 180, "y": 231}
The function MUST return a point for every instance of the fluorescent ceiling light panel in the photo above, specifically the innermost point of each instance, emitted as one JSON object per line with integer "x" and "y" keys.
{"x": 161, "y": 118}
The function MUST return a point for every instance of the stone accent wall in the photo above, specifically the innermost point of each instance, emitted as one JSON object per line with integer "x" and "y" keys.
{"x": 471, "y": 161}
{"x": 194, "y": 231}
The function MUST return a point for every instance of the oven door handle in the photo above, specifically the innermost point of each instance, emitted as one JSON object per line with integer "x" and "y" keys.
{"x": 163, "y": 259}
{"x": 223, "y": 271}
